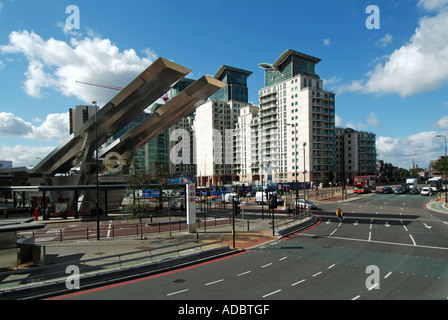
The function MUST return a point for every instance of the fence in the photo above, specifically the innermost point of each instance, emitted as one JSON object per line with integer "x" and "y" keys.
{"x": 114, "y": 230}
{"x": 59, "y": 272}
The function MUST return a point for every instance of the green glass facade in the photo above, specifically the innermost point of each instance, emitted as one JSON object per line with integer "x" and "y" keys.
{"x": 157, "y": 148}
{"x": 236, "y": 89}
{"x": 290, "y": 64}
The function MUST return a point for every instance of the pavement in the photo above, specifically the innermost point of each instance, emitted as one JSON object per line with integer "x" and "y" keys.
{"x": 260, "y": 231}
{"x": 437, "y": 204}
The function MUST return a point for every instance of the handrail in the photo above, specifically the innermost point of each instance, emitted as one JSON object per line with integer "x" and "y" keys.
{"x": 43, "y": 275}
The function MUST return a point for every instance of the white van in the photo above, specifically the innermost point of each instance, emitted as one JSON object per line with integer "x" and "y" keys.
{"x": 260, "y": 197}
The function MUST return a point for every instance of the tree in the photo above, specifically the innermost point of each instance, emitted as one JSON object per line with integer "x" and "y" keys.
{"x": 167, "y": 190}
{"x": 403, "y": 174}
{"x": 440, "y": 165}
{"x": 136, "y": 181}
{"x": 157, "y": 178}
{"x": 161, "y": 177}
{"x": 414, "y": 173}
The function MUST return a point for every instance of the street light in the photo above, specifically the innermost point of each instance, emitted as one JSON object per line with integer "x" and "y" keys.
{"x": 97, "y": 179}
{"x": 444, "y": 165}
{"x": 304, "y": 174}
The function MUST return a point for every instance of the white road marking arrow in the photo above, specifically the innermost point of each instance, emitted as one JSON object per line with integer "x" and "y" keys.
{"x": 387, "y": 224}
{"x": 328, "y": 222}
{"x": 356, "y": 223}
{"x": 426, "y": 226}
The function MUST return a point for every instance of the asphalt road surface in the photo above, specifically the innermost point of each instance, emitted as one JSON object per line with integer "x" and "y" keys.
{"x": 387, "y": 247}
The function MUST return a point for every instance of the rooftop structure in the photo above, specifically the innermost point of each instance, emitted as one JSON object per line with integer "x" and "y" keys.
{"x": 290, "y": 64}
{"x": 236, "y": 80}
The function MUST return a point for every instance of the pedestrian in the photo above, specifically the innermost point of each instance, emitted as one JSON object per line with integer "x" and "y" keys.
{"x": 339, "y": 214}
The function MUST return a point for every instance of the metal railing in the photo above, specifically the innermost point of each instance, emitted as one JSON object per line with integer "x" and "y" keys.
{"x": 59, "y": 272}
{"x": 114, "y": 231}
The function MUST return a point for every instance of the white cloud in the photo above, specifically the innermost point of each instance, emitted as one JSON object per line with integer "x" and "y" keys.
{"x": 401, "y": 151}
{"x": 338, "y": 121}
{"x": 24, "y": 155}
{"x": 58, "y": 65}
{"x": 11, "y": 126}
{"x": 384, "y": 41}
{"x": 327, "y": 42}
{"x": 410, "y": 69}
{"x": 442, "y": 123}
{"x": 431, "y": 5}
{"x": 356, "y": 126}
{"x": 372, "y": 120}
{"x": 54, "y": 127}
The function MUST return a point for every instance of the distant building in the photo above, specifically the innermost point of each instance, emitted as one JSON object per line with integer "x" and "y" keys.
{"x": 213, "y": 124}
{"x": 355, "y": 153}
{"x": 5, "y": 164}
{"x": 187, "y": 167}
{"x": 80, "y": 115}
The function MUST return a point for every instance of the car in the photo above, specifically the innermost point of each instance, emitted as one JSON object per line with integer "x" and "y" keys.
{"x": 228, "y": 197}
{"x": 406, "y": 188}
{"x": 399, "y": 190}
{"x": 280, "y": 201}
{"x": 426, "y": 191}
{"x": 414, "y": 190}
{"x": 307, "y": 204}
{"x": 387, "y": 190}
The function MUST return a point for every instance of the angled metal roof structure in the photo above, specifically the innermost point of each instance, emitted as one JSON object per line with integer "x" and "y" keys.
{"x": 144, "y": 90}
{"x": 285, "y": 55}
{"x": 79, "y": 149}
{"x": 223, "y": 68}
{"x": 166, "y": 116}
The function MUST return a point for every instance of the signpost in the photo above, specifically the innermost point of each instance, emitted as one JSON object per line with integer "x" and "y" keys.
{"x": 191, "y": 208}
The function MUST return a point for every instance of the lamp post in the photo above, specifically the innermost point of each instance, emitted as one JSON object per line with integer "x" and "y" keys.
{"x": 444, "y": 166}
{"x": 304, "y": 175}
{"x": 97, "y": 179}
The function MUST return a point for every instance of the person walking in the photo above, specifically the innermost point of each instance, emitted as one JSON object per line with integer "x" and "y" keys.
{"x": 339, "y": 214}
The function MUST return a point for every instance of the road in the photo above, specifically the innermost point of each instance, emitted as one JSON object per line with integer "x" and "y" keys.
{"x": 388, "y": 247}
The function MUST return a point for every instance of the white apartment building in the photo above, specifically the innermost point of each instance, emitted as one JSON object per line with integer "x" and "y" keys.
{"x": 214, "y": 141}
{"x": 214, "y": 125}
{"x": 289, "y": 137}
{"x": 243, "y": 149}
{"x": 296, "y": 123}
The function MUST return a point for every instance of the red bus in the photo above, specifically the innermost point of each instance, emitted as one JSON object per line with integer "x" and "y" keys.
{"x": 365, "y": 184}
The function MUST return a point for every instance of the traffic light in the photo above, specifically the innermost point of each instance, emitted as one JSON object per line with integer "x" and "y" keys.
{"x": 273, "y": 202}
{"x": 236, "y": 208}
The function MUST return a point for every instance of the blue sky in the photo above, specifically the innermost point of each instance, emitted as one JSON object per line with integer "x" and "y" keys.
{"x": 392, "y": 81}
